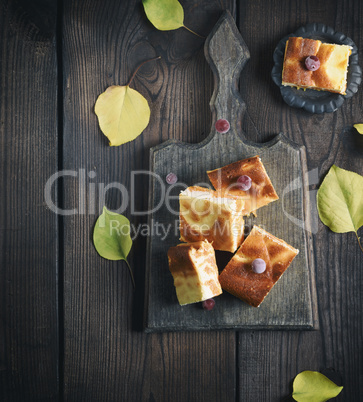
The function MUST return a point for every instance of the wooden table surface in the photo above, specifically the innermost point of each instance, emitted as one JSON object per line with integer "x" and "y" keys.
{"x": 70, "y": 323}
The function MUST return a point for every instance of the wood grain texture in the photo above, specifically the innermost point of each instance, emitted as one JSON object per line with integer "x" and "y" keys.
{"x": 107, "y": 356}
{"x": 290, "y": 303}
{"x": 28, "y": 229}
{"x": 275, "y": 359}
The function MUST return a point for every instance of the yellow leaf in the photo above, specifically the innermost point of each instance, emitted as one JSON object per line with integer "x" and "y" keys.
{"x": 123, "y": 114}
{"x": 311, "y": 386}
{"x": 359, "y": 128}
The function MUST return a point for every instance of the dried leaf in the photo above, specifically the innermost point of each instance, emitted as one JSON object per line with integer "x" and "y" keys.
{"x": 123, "y": 114}
{"x": 359, "y": 128}
{"x": 111, "y": 237}
{"x": 340, "y": 201}
{"x": 311, "y": 386}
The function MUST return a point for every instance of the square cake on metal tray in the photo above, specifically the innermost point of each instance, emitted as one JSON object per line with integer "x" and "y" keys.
{"x": 330, "y": 76}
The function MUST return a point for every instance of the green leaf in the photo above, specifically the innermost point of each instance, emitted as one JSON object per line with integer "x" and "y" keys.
{"x": 340, "y": 201}
{"x": 123, "y": 114}
{"x": 165, "y": 15}
{"x": 111, "y": 237}
{"x": 311, "y": 386}
{"x": 359, "y": 128}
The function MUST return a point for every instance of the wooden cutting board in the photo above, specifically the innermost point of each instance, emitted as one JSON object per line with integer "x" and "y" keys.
{"x": 292, "y": 302}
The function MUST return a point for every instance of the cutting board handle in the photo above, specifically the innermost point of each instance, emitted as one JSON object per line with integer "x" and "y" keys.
{"x": 226, "y": 53}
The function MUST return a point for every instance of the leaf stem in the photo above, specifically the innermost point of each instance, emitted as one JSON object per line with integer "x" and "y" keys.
{"x": 131, "y": 273}
{"x": 360, "y": 245}
{"x": 139, "y": 66}
{"x": 188, "y": 29}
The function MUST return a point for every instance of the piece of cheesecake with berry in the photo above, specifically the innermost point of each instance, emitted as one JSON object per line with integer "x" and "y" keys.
{"x": 257, "y": 265}
{"x": 310, "y": 63}
{"x": 247, "y": 179}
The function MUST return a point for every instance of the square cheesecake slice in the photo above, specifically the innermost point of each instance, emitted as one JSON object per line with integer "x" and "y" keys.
{"x": 330, "y": 76}
{"x": 238, "y": 276}
{"x": 261, "y": 192}
{"x": 195, "y": 272}
{"x": 208, "y": 215}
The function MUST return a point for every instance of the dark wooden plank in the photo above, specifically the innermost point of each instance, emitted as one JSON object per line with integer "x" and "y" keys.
{"x": 290, "y": 303}
{"x": 107, "y": 356}
{"x": 28, "y": 229}
{"x": 269, "y": 361}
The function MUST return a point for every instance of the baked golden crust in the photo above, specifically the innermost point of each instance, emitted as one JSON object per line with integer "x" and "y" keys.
{"x": 209, "y": 215}
{"x": 195, "y": 272}
{"x": 238, "y": 277}
{"x": 332, "y": 73}
{"x": 261, "y": 192}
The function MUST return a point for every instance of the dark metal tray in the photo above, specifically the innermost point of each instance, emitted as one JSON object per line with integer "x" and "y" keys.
{"x": 311, "y": 100}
